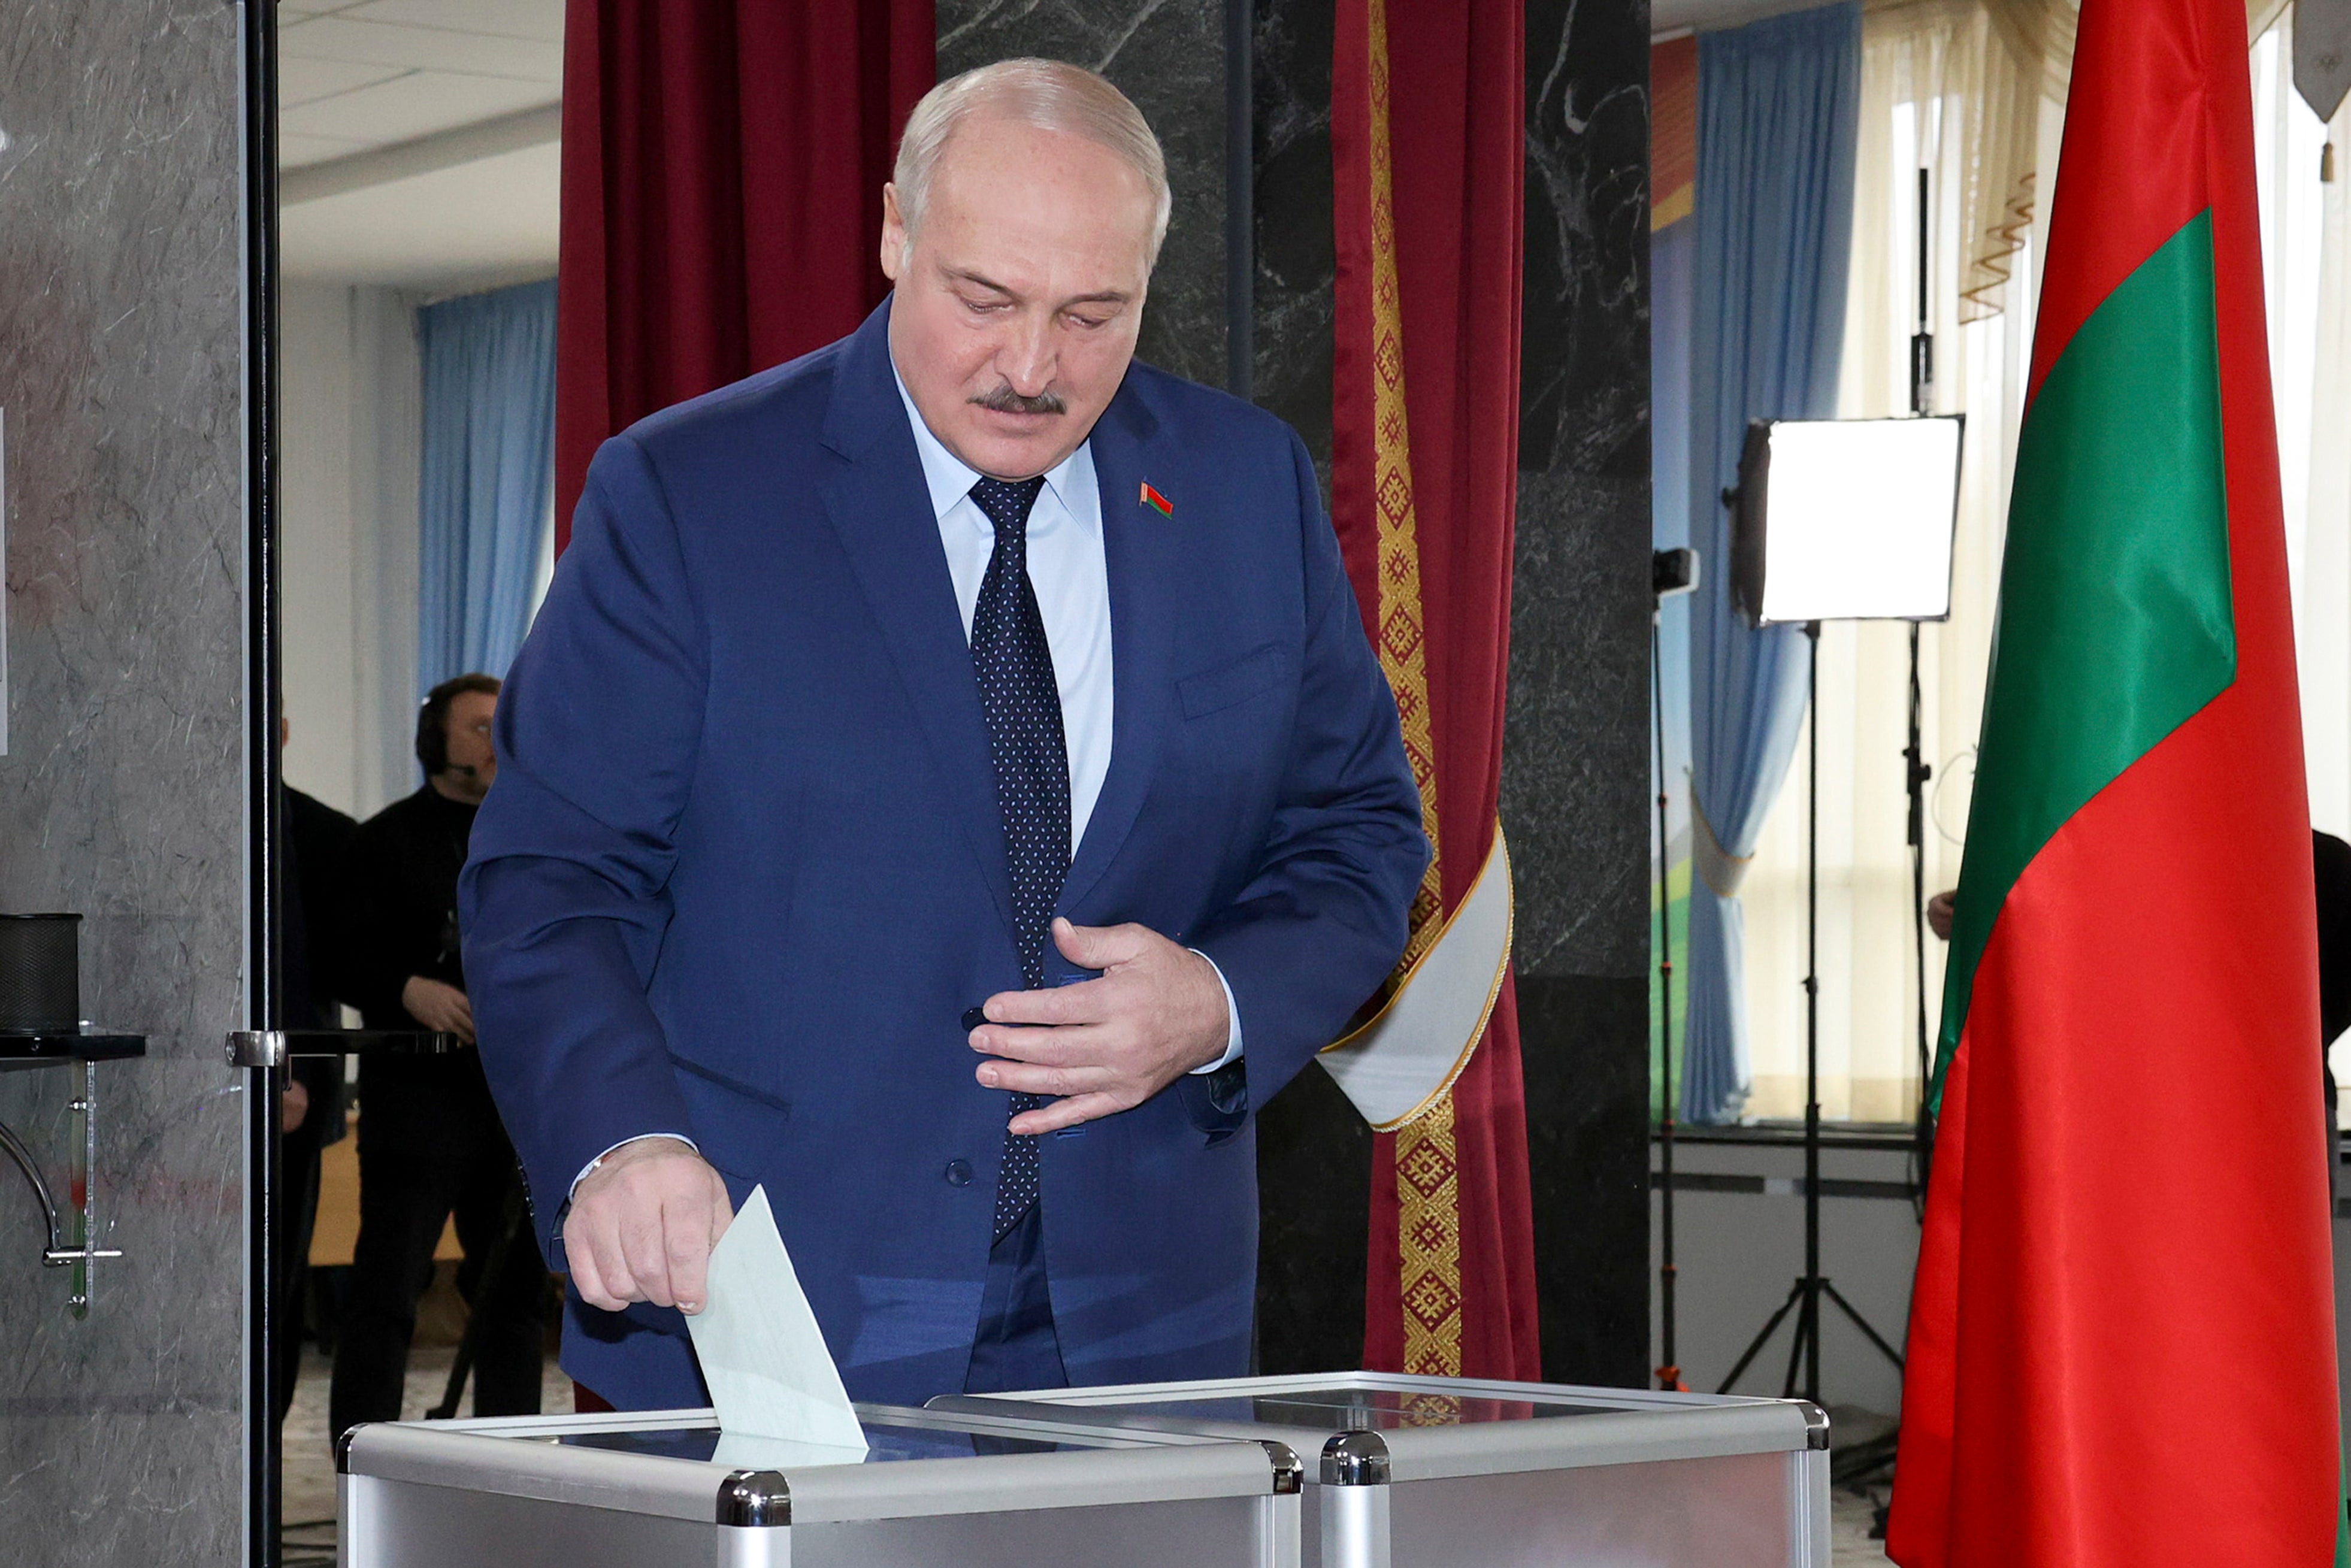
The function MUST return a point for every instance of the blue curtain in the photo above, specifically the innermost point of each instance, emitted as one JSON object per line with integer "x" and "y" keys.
{"x": 1778, "y": 112}
{"x": 489, "y": 479}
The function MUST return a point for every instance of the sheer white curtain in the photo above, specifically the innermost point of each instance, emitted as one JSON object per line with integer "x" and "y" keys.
{"x": 1944, "y": 87}
{"x": 2306, "y": 277}
{"x": 2300, "y": 247}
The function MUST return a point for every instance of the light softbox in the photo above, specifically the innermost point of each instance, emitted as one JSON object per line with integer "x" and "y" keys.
{"x": 1846, "y": 520}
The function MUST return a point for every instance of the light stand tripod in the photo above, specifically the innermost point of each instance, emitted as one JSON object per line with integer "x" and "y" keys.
{"x": 1804, "y": 1296}
{"x": 1918, "y": 770}
{"x": 1670, "y": 572}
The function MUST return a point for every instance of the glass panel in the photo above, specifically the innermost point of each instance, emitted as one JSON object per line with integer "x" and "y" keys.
{"x": 887, "y": 1443}
{"x": 1361, "y": 1409}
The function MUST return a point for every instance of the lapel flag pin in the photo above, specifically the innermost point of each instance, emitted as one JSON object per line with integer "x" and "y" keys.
{"x": 1157, "y": 502}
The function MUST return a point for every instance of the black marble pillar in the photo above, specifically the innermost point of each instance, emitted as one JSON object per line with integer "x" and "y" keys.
{"x": 1168, "y": 56}
{"x": 1296, "y": 258}
{"x": 1574, "y": 758}
{"x": 1314, "y": 1152}
{"x": 1574, "y": 748}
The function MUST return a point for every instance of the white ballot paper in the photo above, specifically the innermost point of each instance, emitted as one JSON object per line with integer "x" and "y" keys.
{"x": 770, "y": 1375}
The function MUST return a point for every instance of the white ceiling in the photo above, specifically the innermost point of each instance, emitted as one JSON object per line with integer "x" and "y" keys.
{"x": 410, "y": 152}
{"x": 413, "y": 155}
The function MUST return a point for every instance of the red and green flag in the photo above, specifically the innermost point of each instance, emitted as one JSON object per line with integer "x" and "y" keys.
{"x": 2122, "y": 1350}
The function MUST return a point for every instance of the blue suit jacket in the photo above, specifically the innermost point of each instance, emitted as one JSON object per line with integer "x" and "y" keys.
{"x": 742, "y": 872}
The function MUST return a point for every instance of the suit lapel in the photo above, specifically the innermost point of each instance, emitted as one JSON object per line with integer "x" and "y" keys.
{"x": 881, "y": 510}
{"x": 1141, "y": 550}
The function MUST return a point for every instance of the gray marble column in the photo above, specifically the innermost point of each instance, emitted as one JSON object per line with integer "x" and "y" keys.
{"x": 1168, "y": 56}
{"x": 1573, "y": 751}
{"x": 121, "y": 792}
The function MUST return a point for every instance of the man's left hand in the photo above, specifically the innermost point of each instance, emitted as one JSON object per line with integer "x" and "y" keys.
{"x": 1156, "y": 1012}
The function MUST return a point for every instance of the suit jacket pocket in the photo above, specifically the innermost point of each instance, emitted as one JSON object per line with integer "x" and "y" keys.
{"x": 774, "y": 1102}
{"x": 1211, "y": 691}
{"x": 737, "y": 1124}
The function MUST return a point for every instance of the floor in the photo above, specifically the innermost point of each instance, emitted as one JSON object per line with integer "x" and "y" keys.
{"x": 1850, "y": 1518}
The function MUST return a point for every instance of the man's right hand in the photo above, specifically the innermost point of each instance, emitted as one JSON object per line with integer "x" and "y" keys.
{"x": 438, "y": 1006}
{"x": 641, "y": 1225}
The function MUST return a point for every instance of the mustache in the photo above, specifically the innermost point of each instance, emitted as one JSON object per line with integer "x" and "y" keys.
{"x": 1004, "y": 400}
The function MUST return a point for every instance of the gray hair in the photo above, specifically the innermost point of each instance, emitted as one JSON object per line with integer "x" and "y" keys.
{"x": 1047, "y": 94}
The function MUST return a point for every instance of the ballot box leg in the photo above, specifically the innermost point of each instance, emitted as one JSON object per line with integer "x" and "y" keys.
{"x": 1808, "y": 1508}
{"x": 749, "y": 1546}
{"x": 1278, "y": 1530}
{"x": 1355, "y": 1526}
{"x": 358, "y": 1540}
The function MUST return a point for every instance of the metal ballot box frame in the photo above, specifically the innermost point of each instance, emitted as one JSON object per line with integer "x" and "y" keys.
{"x": 653, "y": 1490}
{"x": 1473, "y": 1474}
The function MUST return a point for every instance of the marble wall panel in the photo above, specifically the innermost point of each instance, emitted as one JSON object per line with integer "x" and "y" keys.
{"x": 121, "y": 796}
{"x": 1297, "y": 263}
{"x": 1575, "y": 757}
{"x": 1168, "y": 56}
{"x": 1576, "y": 738}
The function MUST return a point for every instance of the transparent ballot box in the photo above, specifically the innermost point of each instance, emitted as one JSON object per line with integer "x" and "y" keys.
{"x": 1411, "y": 1470}
{"x": 656, "y": 1489}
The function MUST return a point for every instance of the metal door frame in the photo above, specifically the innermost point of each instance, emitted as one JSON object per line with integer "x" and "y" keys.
{"x": 264, "y": 948}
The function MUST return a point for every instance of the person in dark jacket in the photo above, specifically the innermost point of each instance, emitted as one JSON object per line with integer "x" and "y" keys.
{"x": 2330, "y": 862}
{"x": 431, "y": 1143}
{"x": 317, "y": 841}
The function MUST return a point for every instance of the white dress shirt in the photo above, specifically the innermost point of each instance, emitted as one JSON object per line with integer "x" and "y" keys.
{"x": 1073, "y": 583}
{"x": 1071, "y": 579}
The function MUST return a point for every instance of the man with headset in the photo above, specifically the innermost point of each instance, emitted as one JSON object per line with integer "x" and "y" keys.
{"x": 430, "y": 1141}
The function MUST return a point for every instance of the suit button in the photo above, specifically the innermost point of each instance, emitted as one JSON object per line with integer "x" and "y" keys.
{"x": 959, "y": 1173}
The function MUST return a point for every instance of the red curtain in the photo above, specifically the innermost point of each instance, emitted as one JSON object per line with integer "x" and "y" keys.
{"x": 723, "y": 165}
{"x": 1429, "y": 213}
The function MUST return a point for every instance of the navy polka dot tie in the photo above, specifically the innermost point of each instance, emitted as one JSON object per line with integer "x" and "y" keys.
{"x": 1023, "y": 706}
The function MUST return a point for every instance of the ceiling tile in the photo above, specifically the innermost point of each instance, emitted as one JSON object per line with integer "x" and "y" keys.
{"x": 541, "y": 19}
{"x": 301, "y": 81}
{"x": 417, "y": 104}
{"x": 488, "y": 222}
{"x": 340, "y": 37}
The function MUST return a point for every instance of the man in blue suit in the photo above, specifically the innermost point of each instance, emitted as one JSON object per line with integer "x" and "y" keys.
{"x": 949, "y": 785}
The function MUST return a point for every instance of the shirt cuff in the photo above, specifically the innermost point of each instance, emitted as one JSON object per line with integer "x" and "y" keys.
{"x": 1232, "y": 1024}
{"x": 588, "y": 1169}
